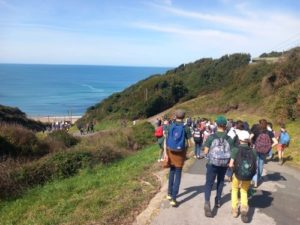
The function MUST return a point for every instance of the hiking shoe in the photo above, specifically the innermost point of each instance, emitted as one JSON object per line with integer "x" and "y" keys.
{"x": 244, "y": 214}
{"x": 169, "y": 197}
{"x": 207, "y": 210}
{"x": 173, "y": 203}
{"x": 235, "y": 212}
{"x": 217, "y": 203}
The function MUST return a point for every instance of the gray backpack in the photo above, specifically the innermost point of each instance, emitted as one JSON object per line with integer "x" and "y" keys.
{"x": 219, "y": 151}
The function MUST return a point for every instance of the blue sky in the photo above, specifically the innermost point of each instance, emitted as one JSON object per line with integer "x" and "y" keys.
{"x": 143, "y": 32}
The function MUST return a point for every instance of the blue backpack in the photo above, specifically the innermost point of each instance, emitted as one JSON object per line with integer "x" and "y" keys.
{"x": 284, "y": 138}
{"x": 176, "y": 138}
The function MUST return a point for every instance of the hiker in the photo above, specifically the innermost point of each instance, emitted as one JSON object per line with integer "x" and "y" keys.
{"x": 198, "y": 140}
{"x": 159, "y": 134}
{"x": 243, "y": 164}
{"x": 217, "y": 148}
{"x": 178, "y": 140}
{"x": 262, "y": 140}
{"x": 283, "y": 142}
{"x": 270, "y": 128}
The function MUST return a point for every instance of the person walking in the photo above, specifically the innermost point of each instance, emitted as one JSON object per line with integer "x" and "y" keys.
{"x": 159, "y": 134}
{"x": 178, "y": 140}
{"x": 243, "y": 164}
{"x": 263, "y": 141}
{"x": 198, "y": 140}
{"x": 283, "y": 142}
{"x": 218, "y": 149}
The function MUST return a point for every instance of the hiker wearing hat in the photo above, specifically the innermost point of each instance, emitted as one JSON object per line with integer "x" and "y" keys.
{"x": 243, "y": 164}
{"x": 178, "y": 140}
{"x": 218, "y": 149}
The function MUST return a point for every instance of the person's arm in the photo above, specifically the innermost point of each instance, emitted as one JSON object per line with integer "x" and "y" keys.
{"x": 275, "y": 141}
{"x": 206, "y": 150}
{"x": 231, "y": 163}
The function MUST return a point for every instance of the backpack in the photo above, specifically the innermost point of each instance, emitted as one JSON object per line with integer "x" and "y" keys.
{"x": 219, "y": 151}
{"x": 197, "y": 136}
{"x": 176, "y": 138}
{"x": 245, "y": 164}
{"x": 284, "y": 138}
{"x": 159, "y": 132}
{"x": 263, "y": 143}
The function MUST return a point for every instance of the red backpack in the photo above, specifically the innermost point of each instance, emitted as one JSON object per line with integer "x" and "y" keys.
{"x": 263, "y": 143}
{"x": 159, "y": 132}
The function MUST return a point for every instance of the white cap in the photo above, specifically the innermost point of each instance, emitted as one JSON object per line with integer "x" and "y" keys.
{"x": 243, "y": 135}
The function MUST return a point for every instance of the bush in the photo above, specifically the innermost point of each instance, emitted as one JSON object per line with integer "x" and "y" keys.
{"x": 64, "y": 137}
{"x": 143, "y": 134}
{"x": 18, "y": 141}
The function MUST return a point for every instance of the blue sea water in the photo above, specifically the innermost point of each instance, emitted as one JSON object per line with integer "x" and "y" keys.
{"x": 56, "y": 90}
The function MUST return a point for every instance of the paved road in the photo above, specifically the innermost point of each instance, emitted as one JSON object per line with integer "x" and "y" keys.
{"x": 277, "y": 200}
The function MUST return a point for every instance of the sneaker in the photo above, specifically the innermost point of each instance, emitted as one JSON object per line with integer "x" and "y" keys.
{"x": 173, "y": 203}
{"x": 235, "y": 212}
{"x": 244, "y": 214}
{"x": 169, "y": 197}
{"x": 217, "y": 203}
{"x": 207, "y": 210}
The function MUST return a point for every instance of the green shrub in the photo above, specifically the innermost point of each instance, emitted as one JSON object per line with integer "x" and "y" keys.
{"x": 106, "y": 154}
{"x": 143, "y": 134}
{"x": 63, "y": 136}
{"x": 18, "y": 141}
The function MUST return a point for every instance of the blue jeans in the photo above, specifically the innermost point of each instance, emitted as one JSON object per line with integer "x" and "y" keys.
{"x": 260, "y": 165}
{"x": 197, "y": 150}
{"x": 211, "y": 173}
{"x": 174, "y": 181}
{"x": 270, "y": 154}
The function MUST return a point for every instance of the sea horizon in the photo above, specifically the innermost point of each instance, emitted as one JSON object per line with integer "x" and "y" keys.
{"x": 57, "y": 90}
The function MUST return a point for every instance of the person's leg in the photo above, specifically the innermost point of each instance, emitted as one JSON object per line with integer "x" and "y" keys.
{"x": 234, "y": 196}
{"x": 270, "y": 154}
{"x": 261, "y": 160}
{"x": 195, "y": 150}
{"x": 171, "y": 180}
{"x": 244, "y": 200}
{"x": 177, "y": 180}
{"x": 221, "y": 171}
{"x": 198, "y": 150}
{"x": 210, "y": 179}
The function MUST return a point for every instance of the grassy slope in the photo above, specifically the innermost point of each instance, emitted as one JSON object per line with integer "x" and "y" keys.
{"x": 101, "y": 195}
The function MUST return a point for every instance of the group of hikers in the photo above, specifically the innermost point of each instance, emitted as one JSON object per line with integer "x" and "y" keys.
{"x": 230, "y": 148}
{"x": 88, "y": 128}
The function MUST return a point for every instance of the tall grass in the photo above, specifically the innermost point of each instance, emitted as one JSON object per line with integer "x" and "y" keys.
{"x": 103, "y": 195}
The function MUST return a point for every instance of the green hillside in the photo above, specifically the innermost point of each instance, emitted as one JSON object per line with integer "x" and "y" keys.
{"x": 216, "y": 85}
{"x": 16, "y": 116}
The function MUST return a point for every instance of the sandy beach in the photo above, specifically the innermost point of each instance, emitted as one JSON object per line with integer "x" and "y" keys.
{"x": 51, "y": 119}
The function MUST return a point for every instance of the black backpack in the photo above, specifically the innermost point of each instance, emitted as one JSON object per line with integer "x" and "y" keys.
{"x": 245, "y": 163}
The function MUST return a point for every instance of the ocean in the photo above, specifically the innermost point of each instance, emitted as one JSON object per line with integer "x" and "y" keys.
{"x": 58, "y": 90}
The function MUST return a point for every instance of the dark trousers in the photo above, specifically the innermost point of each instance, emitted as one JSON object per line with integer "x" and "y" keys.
{"x": 211, "y": 173}
{"x": 174, "y": 181}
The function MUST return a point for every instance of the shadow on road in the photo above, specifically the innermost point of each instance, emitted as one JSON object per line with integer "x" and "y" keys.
{"x": 276, "y": 176}
{"x": 190, "y": 193}
{"x": 261, "y": 200}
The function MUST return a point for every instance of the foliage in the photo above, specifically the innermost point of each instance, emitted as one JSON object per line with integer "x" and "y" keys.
{"x": 102, "y": 148}
{"x": 16, "y": 116}
{"x": 112, "y": 194}
{"x": 18, "y": 141}
{"x": 64, "y": 137}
